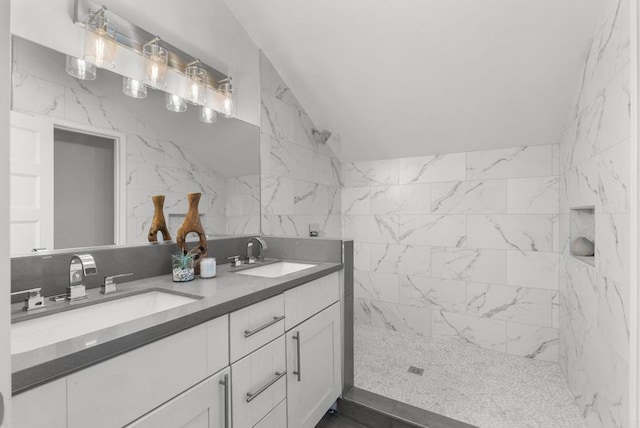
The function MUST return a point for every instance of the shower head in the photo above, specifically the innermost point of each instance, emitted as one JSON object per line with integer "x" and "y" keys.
{"x": 321, "y": 136}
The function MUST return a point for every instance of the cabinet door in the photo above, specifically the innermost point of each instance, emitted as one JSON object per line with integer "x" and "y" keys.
{"x": 314, "y": 370}
{"x": 206, "y": 405}
{"x": 308, "y": 299}
{"x": 277, "y": 418}
{"x": 44, "y": 406}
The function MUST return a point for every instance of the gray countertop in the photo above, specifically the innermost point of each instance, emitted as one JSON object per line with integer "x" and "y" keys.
{"x": 221, "y": 295}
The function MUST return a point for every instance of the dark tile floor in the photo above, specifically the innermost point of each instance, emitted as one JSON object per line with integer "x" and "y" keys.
{"x": 338, "y": 421}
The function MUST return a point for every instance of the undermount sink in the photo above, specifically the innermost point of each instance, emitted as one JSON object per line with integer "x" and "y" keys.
{"x": 46, "y": 330}
{"x": 274, "y": 270}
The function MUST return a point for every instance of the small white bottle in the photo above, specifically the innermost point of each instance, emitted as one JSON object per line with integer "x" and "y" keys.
{"x": 208, "y": 267}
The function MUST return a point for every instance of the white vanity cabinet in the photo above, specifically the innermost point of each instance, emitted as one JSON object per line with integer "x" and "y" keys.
{"x": 44, "y": 406}
{"x": 206, "y": 405}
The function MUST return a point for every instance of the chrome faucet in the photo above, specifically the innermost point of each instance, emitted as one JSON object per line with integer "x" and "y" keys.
{"x": 81, "y": 265}
{"x": 261, "y": 244}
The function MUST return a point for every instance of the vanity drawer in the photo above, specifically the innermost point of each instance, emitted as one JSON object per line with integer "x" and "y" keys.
{"x": 259, "y": 383}
{"x": 308, "y": 299}
{"x": 277, "y": 418}
{"x": 255, "y": 325}
{"x": 121, "y": 389}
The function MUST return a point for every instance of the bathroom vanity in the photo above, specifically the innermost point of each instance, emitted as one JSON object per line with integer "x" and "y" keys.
{"x": 244, "y": 350}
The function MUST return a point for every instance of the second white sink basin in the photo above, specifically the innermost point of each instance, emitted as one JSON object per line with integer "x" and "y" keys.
{"x": 275, "y": 270}
{"x": 46, "y": 330}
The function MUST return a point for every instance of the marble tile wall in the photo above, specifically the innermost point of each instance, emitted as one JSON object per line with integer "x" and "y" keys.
{"x": 459, "y": 247}
{"x": 301, "y": 179}
{"x": 156, "y": 164}
{"x": 595, "y": 170}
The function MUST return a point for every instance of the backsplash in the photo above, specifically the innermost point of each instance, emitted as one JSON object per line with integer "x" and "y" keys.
{"x": 595, "y": 170}
{"x": 300, "y": 178}
{"x": 459, "y": 247}
{"x": 155, "y": 163}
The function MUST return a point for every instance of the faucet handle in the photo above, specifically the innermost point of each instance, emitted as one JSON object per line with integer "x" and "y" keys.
{"x": 235, "y": 261}
{"x": 34, "y": 300}
{"x": 109, "y": 284}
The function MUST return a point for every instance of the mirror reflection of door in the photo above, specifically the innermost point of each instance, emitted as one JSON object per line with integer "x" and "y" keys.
{"x": 83, "y": 177}
{"x": 63, "y": 186}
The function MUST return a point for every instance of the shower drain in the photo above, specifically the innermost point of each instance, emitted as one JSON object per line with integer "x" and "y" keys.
{"x": 416, "y": 370}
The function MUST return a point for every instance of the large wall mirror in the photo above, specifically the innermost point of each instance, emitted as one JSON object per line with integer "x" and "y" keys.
{"x": 86, "y": 159}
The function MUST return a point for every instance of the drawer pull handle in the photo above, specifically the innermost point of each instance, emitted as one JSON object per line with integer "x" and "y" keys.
{"x": 225, "y": 382}
{"x": 249, "y": 333}
{"x": 298, "y": 372}
{"x": 252, "y": 395}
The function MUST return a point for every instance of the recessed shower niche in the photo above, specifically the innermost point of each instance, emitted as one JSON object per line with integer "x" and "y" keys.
{"x": 582, "y": 234}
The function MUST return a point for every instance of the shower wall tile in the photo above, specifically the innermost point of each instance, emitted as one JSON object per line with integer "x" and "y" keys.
{"x": 356, "y": 200}
{"x": 289, "y": 160}
{"x": 468, "y": 264}
{"x": 376, "y": 286}
{"x": 533, "y": 269}
{"x": 277, "y": 195}
{"x": 533, "y": 195}
{"x": 310, "y": 198}
{"x": 530, "y": 161}
{"x": 530, "y": 341}
{"x": 612, "y": 246}
{"x": 33, "y": 95}
{"x": 511, "y": 232}
{"x": 407, "y": 199}
{"x": 405, "y": 259}
{"x": 362, "y": 256}
{"x": 483, "y": 332}
{"x": 469, "y": 197}
{"x": 613, "y": 178}
{"x": 370, "y": 173}
{"x": 402, "y": 318}
{"x": 432, "y": 293}
{"x": 440, "y": 230}
{"x": 277, "y": 118}
{"x": 432, "y": 169}
{"x": 372, "y": 229}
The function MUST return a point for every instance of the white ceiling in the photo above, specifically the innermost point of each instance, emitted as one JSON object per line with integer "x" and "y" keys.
{"x": 415, "y": 77}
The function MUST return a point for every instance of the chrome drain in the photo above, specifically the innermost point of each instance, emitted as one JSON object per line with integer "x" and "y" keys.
{"x": 416, "y": 370}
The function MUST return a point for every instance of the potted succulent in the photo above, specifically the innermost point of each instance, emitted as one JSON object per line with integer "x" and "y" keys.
{"x": 183, "y": 266}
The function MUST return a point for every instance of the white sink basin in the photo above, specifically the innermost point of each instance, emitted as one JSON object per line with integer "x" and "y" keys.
{"x": 38, "y": 332}
{"x": 275, "y": 270}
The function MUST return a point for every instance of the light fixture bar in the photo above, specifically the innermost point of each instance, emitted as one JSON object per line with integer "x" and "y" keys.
{"x": 134, "y": 37}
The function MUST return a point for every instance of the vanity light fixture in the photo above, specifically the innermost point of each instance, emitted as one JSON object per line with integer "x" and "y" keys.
{"x": 197, "y": 83}
{"x": 80, "y": 69}
{"x": 100, "y": 40}
{"x": 208, "y": 115}
{"x": 133, "y": 88}
{"x": 175, "y": 103}
{"x": 226, "y": 89}
{"x": 156, "y": 59}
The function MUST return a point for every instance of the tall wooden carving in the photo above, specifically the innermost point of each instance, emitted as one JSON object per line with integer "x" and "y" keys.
{"x": 158, "y": 223}
{"x": 192, "y": 224}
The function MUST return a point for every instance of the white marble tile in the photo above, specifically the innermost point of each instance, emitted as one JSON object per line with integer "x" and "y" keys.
{"x": 483, "y": 332}
{"x": 370, "y": 173}
{"x": 376, "y": 286}
{"x": 615, "y": 114}
{"x": 614, "y": 178}
{"x": 290, "y": 160}
{"x": 612, "y": 246}
{"x": 510, "y": 232}
{"x": 372, "y": 229}
{"x": 533, "y": 195}
{"x": 519, "y": 304}
{"x": 436, "y": 294}
{"x": 326, "y": 170}
{"x": 242, "y": 225}
{"x": 405, "y": 199}
{"x": 580, "y": 186}
{"x": 33, "y": 95}
{"x": 469, "y": 264}
{"x": 277, "y": 195}
{"x": 244, "y": 185}
{"x": 555, "y": 306}
{"x": 433, "y": 169}
{"x": 145, "y": 150}
{"x": 84, "y": 107}
{"x": 310, "y": 198}
{"x": 234, "y": 205}
{"x": 533, "y": 269}
{"x": 469, "y": 197}
{"x": 405, "y": 259}
{"x": 527, "y": 161}
{"x": 277, "y": 118}
{"x": 614, "y": 314}
{"x": 362, "y": 256}
{"x": 401, "y": 318}
{"x": 531, "y": 341}
{"x": 356, "y": 200}
{"x": 434, "y": 230}
{"x": 280, "y": 225}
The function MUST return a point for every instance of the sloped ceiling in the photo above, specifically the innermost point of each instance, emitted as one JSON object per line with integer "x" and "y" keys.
{"x": 416, "y": 77}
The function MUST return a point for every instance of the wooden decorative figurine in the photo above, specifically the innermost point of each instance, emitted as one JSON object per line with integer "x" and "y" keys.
{"x": 193, "y": 224}
{"x": 158, "y": 223}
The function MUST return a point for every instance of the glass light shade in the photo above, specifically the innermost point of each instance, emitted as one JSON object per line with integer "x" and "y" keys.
{"x": 175, "y": 103}
{"x": 100, "y": 42}
{"x": 133, "y": 88}
{"x": 208, "y": 115}
{"x": 156, "y": 59}
{"x": 227, "y": 90}
{"x": 197, "y": 84}
{"x": 80, "y": 69}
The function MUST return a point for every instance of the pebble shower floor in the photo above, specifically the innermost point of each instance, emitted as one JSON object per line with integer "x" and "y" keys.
{"x": 481, "y": 387}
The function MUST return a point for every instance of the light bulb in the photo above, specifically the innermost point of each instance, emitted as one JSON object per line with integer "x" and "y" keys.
{"x": 80, "y": 69}
{"x": 175, "y": 103}
{"x": 133, "y": 88}
{"x": 208, "y": 115}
